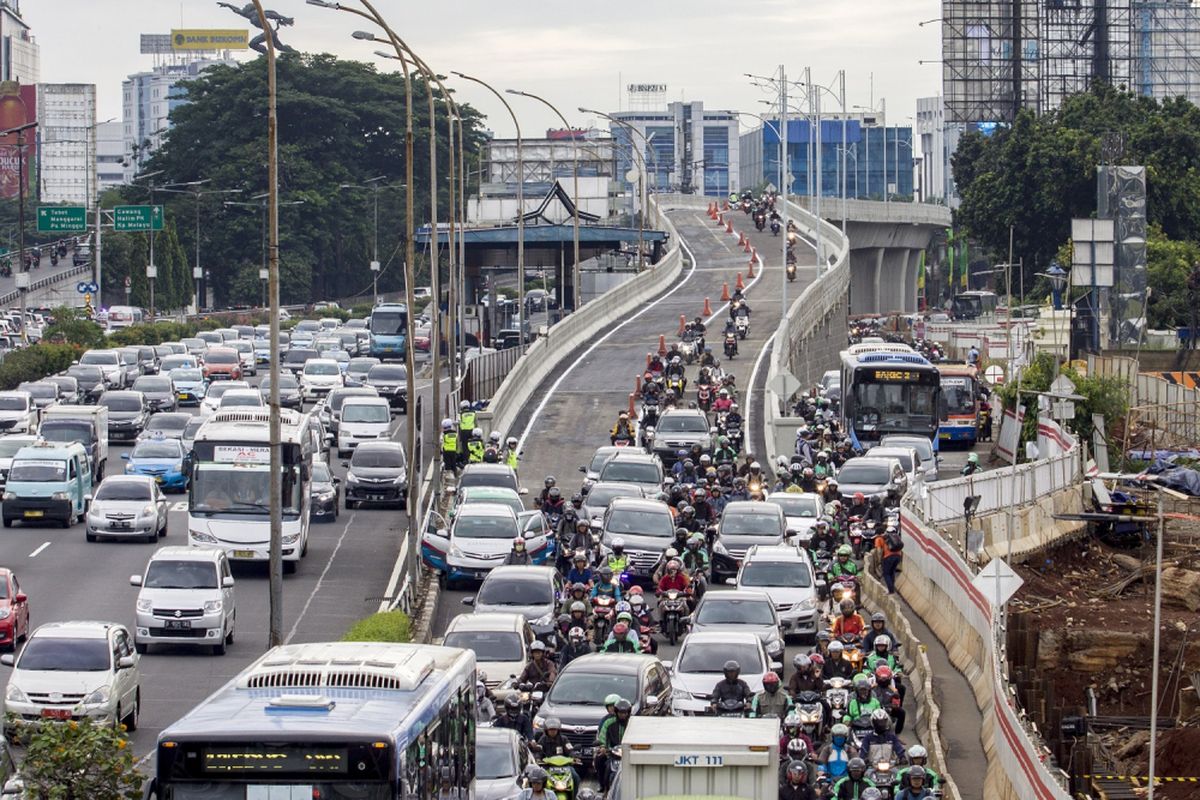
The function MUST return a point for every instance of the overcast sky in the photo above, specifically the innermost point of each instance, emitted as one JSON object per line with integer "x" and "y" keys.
{"x": 574, "y": 54}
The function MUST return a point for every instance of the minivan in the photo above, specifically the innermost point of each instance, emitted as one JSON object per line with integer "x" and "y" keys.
{"x": 362, "y": 419}
{"x": 48, "y": 481}
{"x": 185, "y": 598}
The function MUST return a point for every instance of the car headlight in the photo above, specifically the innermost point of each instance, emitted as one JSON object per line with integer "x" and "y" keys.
{"x": 5, "y": 613}
{"x": 97, "y": 697}
{"x": 177, "y": 466}
{"x": 212, "y": 606}
{"x": 399, "y": 479}
{"x": 808, "y": 604}
{"x": 291, "y": 538}
{"x": 325, "y": 497}
{"x": 60, "y": 496}
{"x": 545, "y": 619}
{"x": 719, "y": 548}
{"x": 15, "y": 695}
{"x": 455, "y": 551}
{"x": 148, "y": 511}
{"x": 201, "y": 536}
{"x": 8, "y": 497}
{"x": 351, "y": 477}
{"x": 774, "y": 647}
{"x": 145, "y": 605}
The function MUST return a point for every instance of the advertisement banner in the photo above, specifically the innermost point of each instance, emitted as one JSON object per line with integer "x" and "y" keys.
{"x": 209, "y": 39}
{"x": 18, "y": 106}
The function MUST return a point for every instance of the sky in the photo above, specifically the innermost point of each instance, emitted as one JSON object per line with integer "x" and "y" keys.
{"x": 573, "y": 54}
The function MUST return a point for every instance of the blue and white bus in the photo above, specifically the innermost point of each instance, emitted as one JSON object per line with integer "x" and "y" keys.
{"x": 388, "y": 326}
{"x": 891, "y": 389}
{"x": 326, "y": 721}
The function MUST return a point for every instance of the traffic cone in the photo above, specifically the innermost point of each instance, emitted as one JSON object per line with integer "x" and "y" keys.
{"x": 707, "y": 308}
{"x": 740, "y": 284}
{"x": 712, "y": 213}
{"x": 750, "y": 270}
{"x": 728, "y": 226}
{"x": 662, "y": 339}
{"x": 726, "y": 205}
{"x": 717, "y": 218}
{"x": 746, "y": 247}
{"x": 631, "y": 412}
{"x": 682, "y": 327}
{"x": 741, "y": 238}
{"x": 725, "y": 290}
{"x": 647, "y": 361}
{"x": 637, "y": 384}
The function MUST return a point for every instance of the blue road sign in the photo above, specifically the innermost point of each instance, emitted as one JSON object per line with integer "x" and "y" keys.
{"x": 81, "y": 287}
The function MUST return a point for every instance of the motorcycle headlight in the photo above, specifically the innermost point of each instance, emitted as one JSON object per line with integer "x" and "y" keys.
{"x": 145, "y": 605}
{"x": 97, "y": 697}
{"x": 15, "y": 695}
{"x": 212, "y": 606}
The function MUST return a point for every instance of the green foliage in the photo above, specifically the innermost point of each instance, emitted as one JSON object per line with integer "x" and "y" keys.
{"x": 1168, "y": 265}
{"x": 35, "y": 362}
{"x": 126, "y": 256}
{"x": 78, "y": 760}
{"x": 152, "y": 333}
{"x": 71, "y": 327}
{"x": 386, "y": 626}
{"x": 362, "y": 310}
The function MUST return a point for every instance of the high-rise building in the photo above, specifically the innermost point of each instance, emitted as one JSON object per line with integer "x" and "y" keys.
{"x": 67, "y": 151}
{"x": 690, "y": 150}
{"x": 19, "y": 60}
{"x": 110, "y": 155}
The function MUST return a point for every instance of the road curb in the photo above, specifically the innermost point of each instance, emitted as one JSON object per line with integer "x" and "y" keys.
{"x": 421, "y": 626}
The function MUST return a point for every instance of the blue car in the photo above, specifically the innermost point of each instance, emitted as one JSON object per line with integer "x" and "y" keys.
{"x": 161, "y": 459}
{"x": 262, "y": 351}
{"x": 190, "y": 386}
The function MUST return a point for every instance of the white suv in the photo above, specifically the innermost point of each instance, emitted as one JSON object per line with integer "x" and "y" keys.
{"x": 186, "y": 599}
{"x": 320, "y": 376}
{"x": 109, "y": 362}
{"x": 18, "y": 414}
{"x": 363, "y": 419}
{"x": 74, "y": 670}
{"x": 786, "y": 575}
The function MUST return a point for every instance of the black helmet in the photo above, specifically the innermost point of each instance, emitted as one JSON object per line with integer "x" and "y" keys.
{"x": 537, "y": 775}
{"x": 856, "y": 764}
{"x": 512, "y": 703}
{"x": 731, "y": 666}
{"x": 624, "y": 706}
{"x": 550, "y": 481}
{"x": 586, "y": 794}
{"x": 880, "y": 721}
{"x": 555, "y": 492}
{"x": 606, "y": 573}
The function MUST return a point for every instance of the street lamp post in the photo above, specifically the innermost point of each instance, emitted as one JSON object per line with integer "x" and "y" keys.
{"x": 23, "y": 275}
{"x": 151, "y": 275}
{"x": 197, "y": 278}
{"x": 641, "y": 160}
{"x": 263, "y": 276}
{"x": 373, "y": 185}
{"x": 784, "y": 176}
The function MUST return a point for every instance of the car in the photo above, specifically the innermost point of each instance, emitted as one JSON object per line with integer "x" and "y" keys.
{"x": 195, "y": 345}
{"x": 261, "y": 345}
{"x": 164, "y": 460}
{"x": 131, "y": 364}
{"x": 325, "y": 494}
{"x": 909, "y": 460}
{"x": 44, "y": 393}
{"x": 91, "y": 381}
{"x": 241, "y": 398}
{"x": 378, "y": 473}
{"x": 680, "y": 429}
{"x": 174, "y": 362}
{"x": 159, "y": 392}
{"x": 146, "y": 357}
{"x": 190, "y": 386}
{"x": 591, "y": 470}
{"x": 635, "y": 467}
{"x": 166, "y": 426}
{"x": 478, "y": 539}
{"x": 245, "y": 351}
{"x": 18, "y": 414}
{"x": 698, "y": 667}
{"x": 289, "y": 390}
{"x": 358, "y": 369}
{"x": 501, "y": 759}
{"x": 74, "y": 670}
{"x": 831, "y": 378}
{"x": 787, "y": 576}
{"x": 801, "y": 512}
{"x": 500, "y": 640}
{"x": 212, "y": 397}
{"x": 874, "y": 477}
{"x": 222, "y": 364}
{"x": 741, "y": 610}
{"x": 745, "y": 523}
{"x": 14, "y": 610}
{"x": 211, "y": 339}
{"x": 127, "y": 413}
{"x": 506, "y": 338}
{"x": 185, "y": 598}
{"x": 9, "y": 445}
{"x": 188, "y": 436}
{"x": 646, "y": 526}
{"x": 601, "y": 495}
{"x": 485, "y": 494}
{"x": 331, "y": 409}
{"x": 125, "y": 506}
{"x": 500, "y": 475}
{"x": 391, "y": 381}
{"x": 362, "y": 419}
{"x": 577, "y": 696}
{"x": 531, "y": 591}
{"x": 69, "y": 391}
{"x": 319, "y": 377}
{"x": 109, "y": 362}
{"x": 924, "y": 447}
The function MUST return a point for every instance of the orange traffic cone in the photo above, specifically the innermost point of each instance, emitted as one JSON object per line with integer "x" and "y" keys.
{"x": 631, "y": 411}
{"x": 637, "y": 384}
{"x": 725, "y": 290}
{"x": 750, "y": 270}
{"x": 662, "y": 339}
{"x": 726, "y": 205}
{"x": 682, "y": 325}
{"x": 741, "y": 238}
{"x": 647, "y": 361}
{"x": 728, "y": 227}
{"x": 746, "y": 247}
{"x": 740, "y": 284}
{"x": 717, "y": 218}
{"x": 707, "y": 308}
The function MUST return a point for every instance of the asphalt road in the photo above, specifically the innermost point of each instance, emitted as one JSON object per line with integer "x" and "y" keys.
{"x": 44, "y": 269}
{"x": 342, "y": 579}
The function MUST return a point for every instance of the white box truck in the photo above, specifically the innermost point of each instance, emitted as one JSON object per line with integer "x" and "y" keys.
{"x": 87, "y": 425}
{"x": 709, "y": 757}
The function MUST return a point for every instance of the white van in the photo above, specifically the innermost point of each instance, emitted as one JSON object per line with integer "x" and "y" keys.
{"x": 195, "y": 582}
{"x": 362, "y": 419}
{"x": 124, "y": 316}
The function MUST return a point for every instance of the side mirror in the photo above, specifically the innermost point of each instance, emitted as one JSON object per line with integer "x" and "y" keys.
{"x": 790, "y": 532}
{"x": 667, "y": 663}
{"x": 124, "y": 456}
{"x": 87, "y": 499}
{"x": 21, "y": 598}
{"x": 126, "y": 662}
{"x": 468, "y": 601}
{"x": 337, "y": 481}
{"x": 820, "y": 584}
{"x": 731, "y": 581}
{"x": 345, "y": 464}
{"x": 135, "y": 580}
{"x": 7, "y": 659}
{"x": 522, "y": 491}
{"x": 583, "y": 469}
{"x": 651, "y": 701}
{"x": 227, "y": 582}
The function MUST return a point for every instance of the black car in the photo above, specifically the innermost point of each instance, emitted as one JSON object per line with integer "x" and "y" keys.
{"x": 159, "y": 392}
{"x": 289, "y": 390}
{"x": 127, "y": 413}
{"x": 69, "y": 391}
{"x": 44, "y": 393}
{"x": 90, "y": 379}
{"x": 391, "y": 381}
{"x": 326, "y": 493}
{"x": 378, "y": 474}
{"x": 295, "y": 359}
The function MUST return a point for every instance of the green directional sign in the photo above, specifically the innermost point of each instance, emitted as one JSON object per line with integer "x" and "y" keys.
{"x": 61, "y": 219}
{"x": 138, "y": 218}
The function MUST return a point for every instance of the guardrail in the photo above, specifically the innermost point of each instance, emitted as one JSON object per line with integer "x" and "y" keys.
{"x": 49, "y": 280}
{"x": 999, "y": 489}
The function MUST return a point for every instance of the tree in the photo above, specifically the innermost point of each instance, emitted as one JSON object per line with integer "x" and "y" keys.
{"x": 1168, "y": 265}
{"x": 71, "y": 327}
{"x": 80, "y": 760}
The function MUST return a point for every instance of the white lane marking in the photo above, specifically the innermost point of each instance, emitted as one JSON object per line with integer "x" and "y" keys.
{"x": 320, "y": 580}
{"x": 394, "y": 581}
{"x": 179, "y": 505}
{"x": 34, "y": 554}
{"x": 537, "y": 412}
{"x": 750, "y": 388}
{"x": 762, "y": 268}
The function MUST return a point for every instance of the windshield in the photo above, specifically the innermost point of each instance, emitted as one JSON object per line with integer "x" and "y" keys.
{"x": 388, "y": 323}
{"x": 217, "y": 389}
{"x": 181, "y": 575}
{"x": 299, "y": 356}
{"x": 922, "y": 445}
{"x": 134, "y": 490}
{"x": 363, "y": 365}
{"x": 516, "y": 593}
{"x": 682, "y": 423}
{"x": 869, "y": 474}
{"x": 48, "y": 654}
{"x": 601, "y": 497}
{"x": 11, "y": 403}
{"x": 786, "y": 574}
{"x": 187, "y": 375}
{"x": 240, "y": 489}
{"x": 750, "y": 525}
{"x": 121, "y": 402}
{"x": 706, "y": 657}
{"x": 168, "y": 449}
{"x": 361, "y": 412}
{"x": 488, "y": 645}
{"x": 387, "y": 374}
{"x": 152, "y": 385}
{"x": 580, "y": 688}
{"x": 643, "y": 523}
{"x": 959, "y": 394}
{"x": 599, "y": 460}
{"x": 715, "y": 611}
{"x": 218, "y": 357}
{"x": 285, "y": 382}
{"x": 904, "y": 458}
{"x": 40, "y": 389}
{"x": 86, "y": 374}
{"x": 59, "y": 430}
{"x": 106, "y": 359}
{"x": 339, "y": 396}
{"x": 795, "y": 506}
{"x": 366, "y": 458}
{"x": 30, "y": 470}
{"x": 320, "y": 368}
{"x": 234, "y": 400}
{"x": 898, "y": 406}
{"x": 624, "y": 471}
{"x": 493, "y": 759}
{"x": 484, "y": 527}
{"x": 321, "y": 473}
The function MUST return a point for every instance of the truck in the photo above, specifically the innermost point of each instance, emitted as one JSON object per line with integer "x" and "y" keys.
{"x": 87, "y": 425}
{"x": 694, "y": 757}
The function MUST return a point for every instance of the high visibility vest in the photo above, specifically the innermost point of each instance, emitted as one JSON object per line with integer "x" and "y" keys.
{"x": 450, "y": 442}
{"x": 475, "y": 452}
{"x": 466, "y": 421}
{"x": 510, "y": 458}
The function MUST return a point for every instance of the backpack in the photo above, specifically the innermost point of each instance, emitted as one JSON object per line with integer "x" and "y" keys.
{"x": 893, "y": 541}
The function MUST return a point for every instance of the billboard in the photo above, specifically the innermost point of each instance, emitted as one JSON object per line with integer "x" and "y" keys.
{"x": 18, "y": 106}
{"x": 209, "y": 39}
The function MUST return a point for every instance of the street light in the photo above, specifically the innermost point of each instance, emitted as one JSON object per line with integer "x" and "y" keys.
{"x": 640, "y": 158}
{"x": 150, "y": 186}
{"x": 882, "y": 110}
{"x": 263, "y": 276}
{"x": 1058, "y": 281}
{"x": 265, "y": 205}
{"x": 373, "y": 185}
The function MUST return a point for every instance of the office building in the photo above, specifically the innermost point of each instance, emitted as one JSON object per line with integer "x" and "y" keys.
{"x": 67, "y": 142}
{"x": 110, "y": 156}
{"x": 690, "y": 149}
{"x": 19, "y": 59}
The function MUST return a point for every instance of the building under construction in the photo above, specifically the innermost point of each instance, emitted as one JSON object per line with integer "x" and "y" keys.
{"x": 999, "y": 56}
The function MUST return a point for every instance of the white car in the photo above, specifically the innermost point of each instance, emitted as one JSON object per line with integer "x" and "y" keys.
{"x": 319, "y": 377}
{"x": 500, "y": 641}
{"x": 786, "y": 575}
{"x": 109, "y": 361}
{"x": 924, "y": 447}
{"x": 127, "y": 506}
{"x": 801, "y": 512}
{"x": 186, "y": 599}
{"x": 18, "y": 413}
{"x": 9, "y": 445}
{"x": 697, "y": 668}
{"x": 75, "y": 670}
{"x": 362, "y": 419}
{"x": 245, "y": 351}
{"x": 241, "y": 398}
{"x": 212, "y": 399}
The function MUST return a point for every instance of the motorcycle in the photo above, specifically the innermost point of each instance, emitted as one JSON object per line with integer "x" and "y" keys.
{"x": 774, "y": 227}
{"x": 791, "y": 272}
{"x": 882, "y": 773}
{"x": 742, "y": 324}
{"x": 648, "y": 643}
{"x": 704, "y": 396}
{"x": 648, "y": 439}
{"x": 687, "y": 348}
{"x": 812, "y": 715}
{"x": 560, "y": 776}
{"x": 731, "y": 346}
{"x": 755, "y": 487}
{"x": 858, "y": 539}
{"x": 843, "y": 588}
{"x": 852, "y": 650}
{"x": 54, "y": 258}
{"x": 745, "y": 206}
{"x": 603, "y": 611}
{"x": 676, "y": 385}
{"x": 760, "y": 221}
{"x": 837, "y": 696}
{"x": 672, "y": 608}
{"x": 730, "y": 707}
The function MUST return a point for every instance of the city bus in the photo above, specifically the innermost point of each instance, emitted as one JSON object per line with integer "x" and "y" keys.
{"x": 388, "y": 326}
{"x": 228, "y": 499}
{"x": 973, "y": 304}
{"x": 327, "y": 721}
{"x": 960, "y": 403}
{"x": 889, "y": 391}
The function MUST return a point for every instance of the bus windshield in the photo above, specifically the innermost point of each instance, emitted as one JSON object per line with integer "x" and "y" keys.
{"x": 240, "y": 489}
{"x": 959, "y": 394}
{"x": 389, "y": 323}
{"x": 894, "y": 406}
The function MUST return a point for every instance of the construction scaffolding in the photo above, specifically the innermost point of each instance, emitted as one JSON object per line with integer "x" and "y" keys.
{"x": 989, "y": 58}
{"x": 1167, "y": 49}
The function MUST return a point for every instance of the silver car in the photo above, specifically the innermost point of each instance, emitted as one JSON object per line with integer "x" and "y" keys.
{"x": 785, "y": 574}
{"x": 924, "y": 448}
{"x": 741, "y": 610}
{"x": 501, "y": 757}
{"x": 127, "y": 506}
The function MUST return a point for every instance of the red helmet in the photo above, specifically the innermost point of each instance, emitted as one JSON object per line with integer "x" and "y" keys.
{"x": 860, "y": 498}
{"x": 620, "y": 629}
{"x": 636, "y": 590}
{"x": 883, "y": 675}
{"x": 770, "y": 679}
{"x": 818, "y": 659}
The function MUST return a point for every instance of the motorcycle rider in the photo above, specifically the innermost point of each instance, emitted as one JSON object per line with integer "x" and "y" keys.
{"x": 888, "y": 690}
{"x": 466, "y": 423}
{"x": 553, "y": 503}
{"x": 739, "y": 491}
{"x": 518, "y": 554}
{"x": 607, "y": 585}
{"x": 863, "y": 702}
{"x": 836, "y": 755}
{"x": 537, "y": 789}
{"x": 580, "y": 572}
{"x": 770, "y": 702}
{"x": 695, "y": 557}
{"x": 623, "y": 638}
{"x": 880, "y": 737}
{"x": 850, "y": 622}
{"x": 823, "y": 539}
{"x": 493, "y": 450}
{"x": 577, "y": 645}
{"x": 733, "y": 420}
{"x": 475, "y": 447}
{"x": 914, "y": 786}
{"x": 674, "y": 370}
{"x": 842, "y": 565}
{"x": 858, "y": 505}
{"x": 540, "y": 669}
{"x": 804, "y": 679}
{"x": 854, "y": 784}
{"x": 674, "y": 579}
{"x": 724, "y": 454}
{"x": 731, "y": 687}
{"x": 917, "y": 756}
{"x": 514, "y": 719}
{"x": 881, "y": 654}
{"x": 622, "y": 431}
{"x": 511, "y": 456}
{"x": 723, "y": 402}
{"x": 609, "y": 736}
{"x": 795, "y": 784}
{"x": 837, "y": 665}
{"x": 972, "y": 465}
{"x": 617, "y": 560}
{"x": 670, "y": 554}
{"x": 878, "y": 628}
{"x": 581, "y": 539}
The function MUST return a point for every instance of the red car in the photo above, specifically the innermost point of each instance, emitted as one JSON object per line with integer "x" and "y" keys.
{"x": 14, "y": 610}
{"x": 222, "y": 363}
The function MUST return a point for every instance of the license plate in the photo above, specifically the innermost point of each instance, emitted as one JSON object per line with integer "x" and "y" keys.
{"x": 56, "y": 713}
{"x": 121, "y": 525}
{"x": 243, "y": 554}
{"x": 183, "y": 395}
{"x": 34, "y": 513}
{"x": 375, "y": 497}
{"x": 178, "y": 625}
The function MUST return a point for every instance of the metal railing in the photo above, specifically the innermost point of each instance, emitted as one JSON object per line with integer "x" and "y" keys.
{"x": 1000, "y": 488}
{"x": 485, "y": 373}
{"x": 49, "y": 280}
